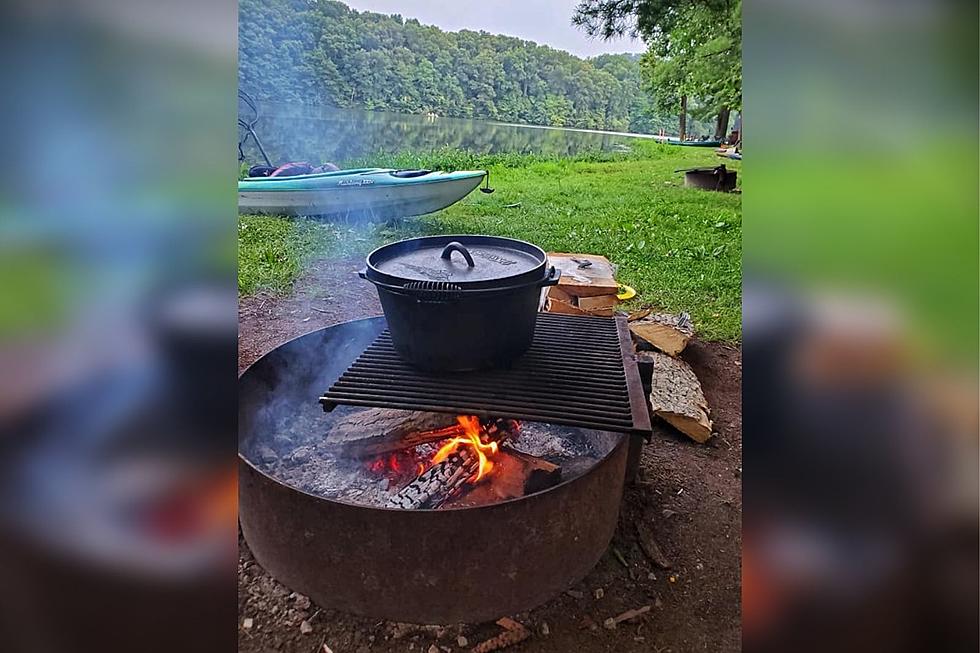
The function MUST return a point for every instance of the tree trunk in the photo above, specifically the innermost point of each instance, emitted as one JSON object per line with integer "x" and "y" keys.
{"x": 721, "y": 127}
{"x": 683, "y": 130}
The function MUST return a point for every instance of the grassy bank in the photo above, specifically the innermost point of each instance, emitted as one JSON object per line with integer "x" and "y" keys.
{"x": 679, "y": 248}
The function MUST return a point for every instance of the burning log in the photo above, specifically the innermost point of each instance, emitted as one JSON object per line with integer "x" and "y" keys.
{"x": 515, "y": 474}
{"x": 439, "y": 483}
{"x": 378, "y": 431}
{"x": 448, "y": 476}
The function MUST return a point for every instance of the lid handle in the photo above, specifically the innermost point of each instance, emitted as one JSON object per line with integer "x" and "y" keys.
{"x": 454, "y": 246}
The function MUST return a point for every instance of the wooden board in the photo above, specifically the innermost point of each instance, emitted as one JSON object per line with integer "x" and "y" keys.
{"x": 676, "y": 396}
{"x": 596, "y": 278}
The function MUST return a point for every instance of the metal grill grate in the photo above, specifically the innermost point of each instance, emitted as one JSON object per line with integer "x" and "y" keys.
{"x": 579, "y": 371}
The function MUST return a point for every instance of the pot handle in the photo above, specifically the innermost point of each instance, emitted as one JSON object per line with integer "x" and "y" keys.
{"x": 362, "y": 273}
{"x": 447, "y": 252}
{"x": 554, "y": 276}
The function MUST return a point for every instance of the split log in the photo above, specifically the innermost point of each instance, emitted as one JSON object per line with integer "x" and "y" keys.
{"x": 554, "y": 292}
{"x": 585, "y": 275}
{"x": 558, "y": 306}
{"x": 439, "y": 483}
{"x": 597, "y": 302}
{"x": 676, "y": 396}
{"x": 668, "y": 333}
{"x": 377, "y": 431}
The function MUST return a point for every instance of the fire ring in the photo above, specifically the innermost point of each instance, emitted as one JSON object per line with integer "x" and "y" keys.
{"x": 466, "y": 564}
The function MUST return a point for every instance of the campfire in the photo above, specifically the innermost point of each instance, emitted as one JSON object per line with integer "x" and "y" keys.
{"x": 444, "y": 467}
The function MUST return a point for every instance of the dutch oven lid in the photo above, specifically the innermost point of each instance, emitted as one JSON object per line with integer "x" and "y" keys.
{"x": 468, "y": 260}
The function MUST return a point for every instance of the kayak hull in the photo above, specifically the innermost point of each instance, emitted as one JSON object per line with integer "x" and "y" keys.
{"x": 674, "y": 141}
{"x": 375, "y": 194}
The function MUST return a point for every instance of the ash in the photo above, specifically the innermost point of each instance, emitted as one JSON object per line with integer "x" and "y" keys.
{"x": 296, "y": 454}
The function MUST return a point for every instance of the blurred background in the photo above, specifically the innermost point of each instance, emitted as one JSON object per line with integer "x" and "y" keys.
{"x": 117, "y": 325}
{"x": 860, "y": 326}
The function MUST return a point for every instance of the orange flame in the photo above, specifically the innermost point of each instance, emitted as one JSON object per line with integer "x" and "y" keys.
{"x": 472, "y": 430}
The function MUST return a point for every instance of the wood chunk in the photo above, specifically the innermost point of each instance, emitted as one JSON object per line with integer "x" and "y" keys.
{"x": 557, "y": 306}
{"x": 514, "y": 633}
{"x": 380, "y": 430}
{"x": 584, "y": 275}
{"x": 597, "y": 302}
{"x": 668, "y": 333}
{"x": 555, "y": 292}
{"x": 676, "y": 396}
{"x": 602, "y": 312}
{"x": 639, "y": 315}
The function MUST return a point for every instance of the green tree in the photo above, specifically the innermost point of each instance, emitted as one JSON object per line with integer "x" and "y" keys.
{"x": 694, "y": 57}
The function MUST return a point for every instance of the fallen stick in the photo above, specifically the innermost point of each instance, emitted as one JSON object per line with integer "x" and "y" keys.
{"x": 649, "y": 545}
{"x": 612, "y": 622}
{"x": 514, "y": 633}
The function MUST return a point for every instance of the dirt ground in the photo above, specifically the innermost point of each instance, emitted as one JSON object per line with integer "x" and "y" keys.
{"x": 690, "y": 493}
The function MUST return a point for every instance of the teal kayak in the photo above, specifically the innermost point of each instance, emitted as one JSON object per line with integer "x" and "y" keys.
{"x": 674, "y": 141}
{"x": 379, "y": 193}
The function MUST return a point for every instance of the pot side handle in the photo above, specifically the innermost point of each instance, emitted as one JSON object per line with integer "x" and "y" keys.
{"x": 554, "y": 276}
{"x": 447, "y": 252}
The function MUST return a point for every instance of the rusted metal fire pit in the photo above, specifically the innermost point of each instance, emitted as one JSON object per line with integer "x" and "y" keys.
{"x": 464, "y": 564}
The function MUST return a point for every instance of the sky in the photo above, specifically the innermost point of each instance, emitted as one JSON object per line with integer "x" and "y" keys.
{"x": 546, "y": 22}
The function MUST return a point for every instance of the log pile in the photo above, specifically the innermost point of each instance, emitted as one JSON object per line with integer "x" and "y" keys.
{"x": 587, "y": 285}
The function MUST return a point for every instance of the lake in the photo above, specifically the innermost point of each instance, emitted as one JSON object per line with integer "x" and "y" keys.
{"x": 319, "y": 134}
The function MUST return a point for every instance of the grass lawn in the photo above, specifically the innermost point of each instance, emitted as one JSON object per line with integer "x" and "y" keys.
{"x": 679, "y": 248}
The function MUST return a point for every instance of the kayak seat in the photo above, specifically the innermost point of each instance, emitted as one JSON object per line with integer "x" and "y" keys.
{"x": 409, "y": 174}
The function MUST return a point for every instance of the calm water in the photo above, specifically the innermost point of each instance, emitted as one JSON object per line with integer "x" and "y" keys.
{"x": 318, "y": 134}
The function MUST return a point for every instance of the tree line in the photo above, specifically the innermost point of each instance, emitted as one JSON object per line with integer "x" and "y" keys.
{"x": 323, "y": 52}
{"x": 693, "y": 64}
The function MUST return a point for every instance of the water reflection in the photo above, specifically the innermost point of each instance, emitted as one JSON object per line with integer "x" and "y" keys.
{"x": 316, "y": 134}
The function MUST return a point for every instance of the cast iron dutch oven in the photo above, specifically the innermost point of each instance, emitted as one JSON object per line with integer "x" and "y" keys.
{"x": 460, "y": 302}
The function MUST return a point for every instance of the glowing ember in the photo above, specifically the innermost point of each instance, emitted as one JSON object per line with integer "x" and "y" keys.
{"x": 472, "y": 430}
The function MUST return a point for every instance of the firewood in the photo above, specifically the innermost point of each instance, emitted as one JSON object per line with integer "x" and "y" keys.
{"x": 436, "y": 485}
{"x": 514, "y": 633}
{"x": 558, "y": 306}
{"x": 554, "y": 292}
{"x": 514, "y": 474}
{"x": 585, "y": 275}
{"x": 597, "y": 302}
{"x": 376, "y": 431}
{"x": 668, "y": 333}
{"x": 676, "y": 396}
{"x": 446, "y": 479}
